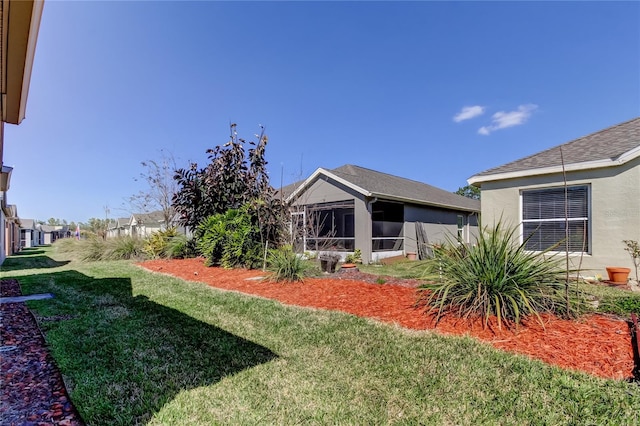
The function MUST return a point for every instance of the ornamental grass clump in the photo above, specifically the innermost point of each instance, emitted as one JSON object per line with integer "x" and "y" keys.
{"x": 125, "y": 247}
{"x": 285, "y": 265}
{"x": 495, "y": 277}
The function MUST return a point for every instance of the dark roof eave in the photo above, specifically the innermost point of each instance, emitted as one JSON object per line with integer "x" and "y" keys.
{"x": 425, "y": 203}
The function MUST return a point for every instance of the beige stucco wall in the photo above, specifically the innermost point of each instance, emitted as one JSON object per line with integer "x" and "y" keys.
{"x": 615, "y": 210}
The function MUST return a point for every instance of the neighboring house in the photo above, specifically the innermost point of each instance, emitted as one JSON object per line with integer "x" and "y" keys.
{"x": 144, "y": 224}
{"x": 602, "y": 172}
{"x": 5, "y": 180}
{"x": 19, "y": 25}
{"x": 11, "y": 230}
{"x": 352, "y": 207}
{"x": 30, "y": 234}
{"x": 50, "y": 233}
{"x": 119, "y": 228}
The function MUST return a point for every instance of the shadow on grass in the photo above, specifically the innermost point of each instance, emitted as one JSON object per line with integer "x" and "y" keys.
{"x": 123, "y": 356}
{"x": 28, "y": 251}
{"x": 30, "y": 260}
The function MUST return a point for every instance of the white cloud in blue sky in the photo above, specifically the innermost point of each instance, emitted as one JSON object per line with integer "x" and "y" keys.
{"x": 469, "y": 112}
{"x": 503, "y": 119}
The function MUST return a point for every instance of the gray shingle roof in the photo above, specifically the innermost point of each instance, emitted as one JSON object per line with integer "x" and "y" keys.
{"x": 122, "y": 221}
{"x": 607, "y": 144}
{"x": 384, "y": 185}
{"x": 150, "y": 218}
{"x": 27, "y": 223}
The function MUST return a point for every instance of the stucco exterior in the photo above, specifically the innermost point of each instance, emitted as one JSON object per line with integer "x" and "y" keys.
{"x": 438, "y": 221}
{"x": 614, "y": 206}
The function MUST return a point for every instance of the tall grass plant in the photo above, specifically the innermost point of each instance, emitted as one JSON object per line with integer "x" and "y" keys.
{"x": 496, "y": 277}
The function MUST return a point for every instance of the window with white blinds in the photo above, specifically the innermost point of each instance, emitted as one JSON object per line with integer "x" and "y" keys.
{"x": 543, "y": 218}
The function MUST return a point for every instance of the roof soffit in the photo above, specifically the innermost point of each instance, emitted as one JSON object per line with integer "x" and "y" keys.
{"x": 20, "y": 26}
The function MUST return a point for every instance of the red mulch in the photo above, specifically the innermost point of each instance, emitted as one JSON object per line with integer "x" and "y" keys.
{"x": 33, "y": 392}
{"x": 597, "y": 344}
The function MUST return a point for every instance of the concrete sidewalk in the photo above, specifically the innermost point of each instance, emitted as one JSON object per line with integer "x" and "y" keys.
{"x": 17, "y": 299}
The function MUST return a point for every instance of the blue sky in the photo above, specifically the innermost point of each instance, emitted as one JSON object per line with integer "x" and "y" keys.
{"x": 431, "y": 91}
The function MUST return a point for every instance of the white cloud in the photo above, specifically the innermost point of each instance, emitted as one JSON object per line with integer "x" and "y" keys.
{"x": 502, "y": 119}
{"x": 484, "y": 130}
{"x": 468, "y": 112}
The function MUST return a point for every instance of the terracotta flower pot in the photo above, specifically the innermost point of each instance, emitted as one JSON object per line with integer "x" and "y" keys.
{"x": 412, "y": 255}
{"x": 618, "y": 275}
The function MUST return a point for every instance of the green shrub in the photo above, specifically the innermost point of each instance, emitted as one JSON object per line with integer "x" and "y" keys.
{"x": 356, "y": 257}
{"x": 155, "y": 245}
{"x": 285, "y": 265}
{"x": 231, "y": 239}
{"x": 181, "y": 247}
{"x": 494, "y": 277}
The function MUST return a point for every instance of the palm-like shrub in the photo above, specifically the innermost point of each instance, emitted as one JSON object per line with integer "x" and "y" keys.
{"x": 285, "y": 265}
{"x": 155, "y": 244}
{"x": 495, "y": 277}
{"x": 181, "y": 247}
{"x": 231, "y": 239}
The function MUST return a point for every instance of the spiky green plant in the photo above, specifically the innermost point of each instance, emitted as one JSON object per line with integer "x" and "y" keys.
{"x": 124, "y": 247}
{"x": 495, "y": 277}
{"x": 92, "y": 249}
{"x": 231, "y": 239}
{"x": 155, "y": 244}
{"x": 285, "y": 265}
{"x": 181, "y": 247}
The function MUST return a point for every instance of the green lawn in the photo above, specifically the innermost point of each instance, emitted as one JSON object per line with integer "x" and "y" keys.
{"x": 142, "y": 348}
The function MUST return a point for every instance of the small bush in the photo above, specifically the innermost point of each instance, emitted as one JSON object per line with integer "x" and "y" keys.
{"x": 181, "y": 247}
{"x": 286, "y": 265}
{"x": 356, "y": 257}
{"x": 231, "y": 239}
{"x": 495, "y": 277}
{"x": 155, "y": 245}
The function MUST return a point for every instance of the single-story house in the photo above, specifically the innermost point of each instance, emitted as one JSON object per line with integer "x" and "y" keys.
{"x": 602, "y": 174}
{"x": 30, "y": 233}
{"x": 11, "y": 229}
{"x": 144, "y": 224}
{"x": 50, "y": 233}
{"x": 119, "y": 228}
{"x": 5, "y": 181}
{"x": 352, "y": 207}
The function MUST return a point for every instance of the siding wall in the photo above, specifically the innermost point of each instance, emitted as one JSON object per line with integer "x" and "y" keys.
{"x": 439, "y": 224}
{"x": 615, "y": 210}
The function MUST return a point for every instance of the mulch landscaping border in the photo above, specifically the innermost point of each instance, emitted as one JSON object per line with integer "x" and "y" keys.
{"x": 33, "y": 391}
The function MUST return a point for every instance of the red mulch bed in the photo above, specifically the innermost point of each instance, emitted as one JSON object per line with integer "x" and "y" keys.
{"x": 32, "y": 391}
{"x": 597, "y": 344}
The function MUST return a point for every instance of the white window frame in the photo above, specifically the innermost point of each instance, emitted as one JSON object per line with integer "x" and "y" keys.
{"x": 560, "y": 248}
